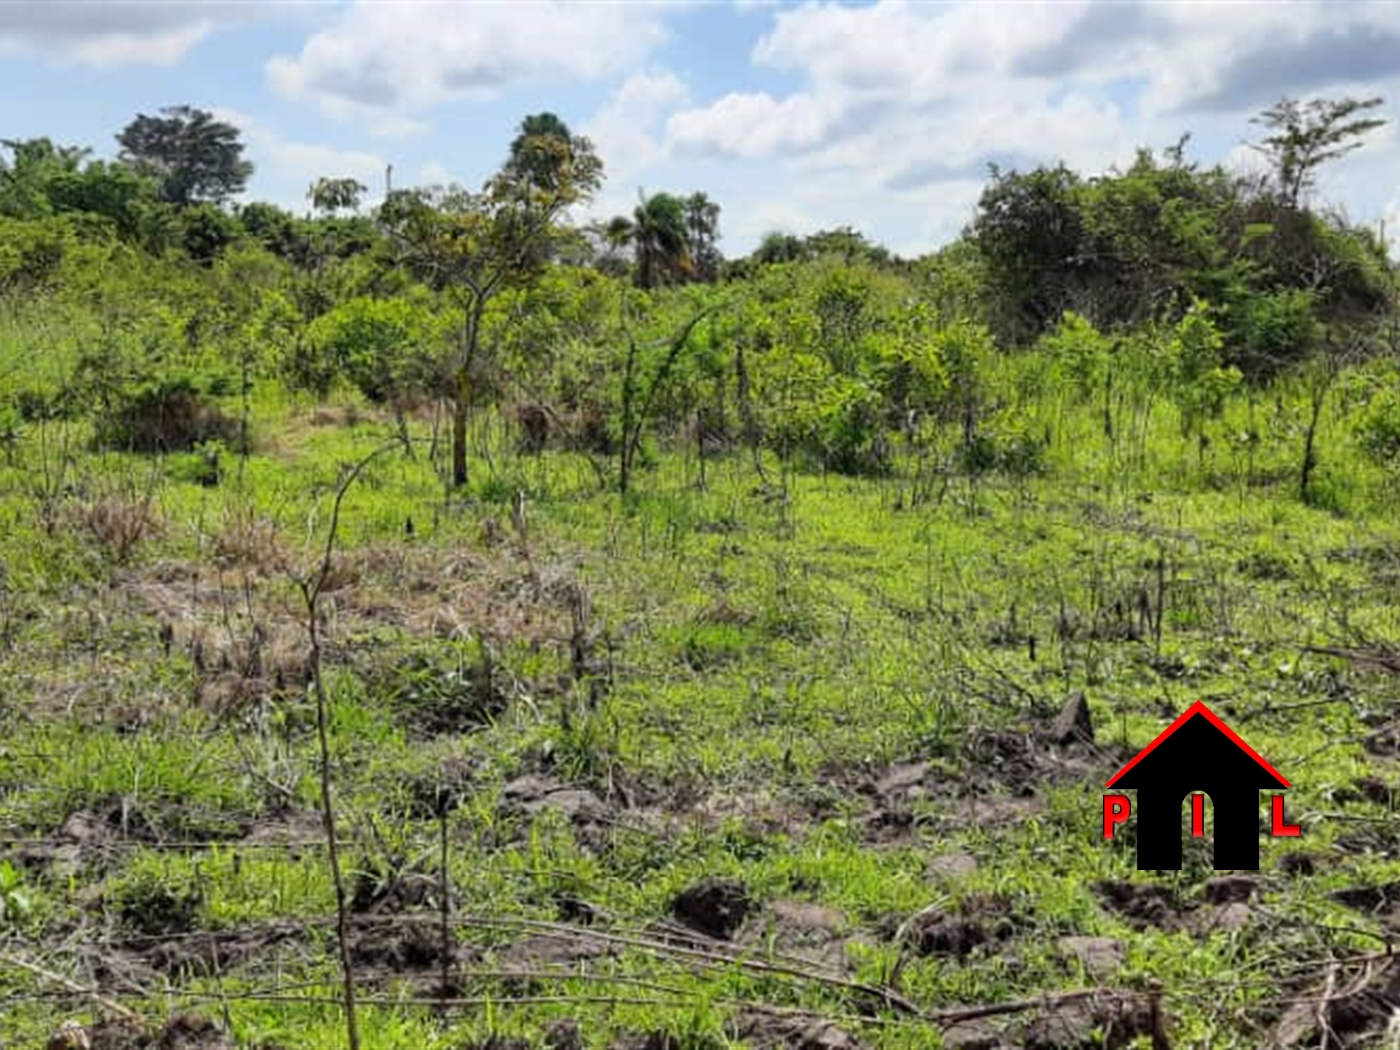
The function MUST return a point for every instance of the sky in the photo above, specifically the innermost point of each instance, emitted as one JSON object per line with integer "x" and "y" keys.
{"x": 794, "y": 117}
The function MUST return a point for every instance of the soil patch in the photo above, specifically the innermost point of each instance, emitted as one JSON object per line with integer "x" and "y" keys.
{"x": 803, "y": 930}
{"x": 978, "y": 922}
{"x": 1107, "y": 1022}
{"x": 181, "y": 1032}
{"x": 1353, "y": 1017}
{"x": 200, "y": 955}
{"x": 714, "y": 907}
{"x": 1374, "y": 900}
{"x": 1099, "y": 956}
{"x": 764, "y": 1031}
{"x": 1142, "y": 904}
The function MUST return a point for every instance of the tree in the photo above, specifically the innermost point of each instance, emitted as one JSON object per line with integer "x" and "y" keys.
{"x": 474, "y": 245}
{"x": 702, "y": 230}
{"x": 660, "y": 237}
{"x": 26, "y": 176}
{"x": 779, "y": 247}
{"x": 1306, "y": 136}
{"x": 545, "y": 154}
{"x": 333, "y": 195}
{"x": 1030, "y": 232}
{"x": 195, "y": 157}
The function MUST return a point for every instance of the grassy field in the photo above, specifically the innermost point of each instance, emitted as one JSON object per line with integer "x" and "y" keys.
{"x": 723, "y": 763}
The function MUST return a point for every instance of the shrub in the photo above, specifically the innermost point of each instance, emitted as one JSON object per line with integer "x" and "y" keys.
{"x": 1378, "y": 427}
{"x": 167, "y": 416}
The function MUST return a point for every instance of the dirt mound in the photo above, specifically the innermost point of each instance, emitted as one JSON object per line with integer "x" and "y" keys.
{"x": 802, "y": 930}
{"x": 215, "y": 952}
{"x": 1297, "y": 864}
{"x": 977, "y": 922}
{"x": 399, "y": 947}
{"x": 181, "y": 1032}
{"x": 764, "y": 1031}
{"x": 546, "y": 951}
{"x": 1231, "y": 889}
{"x": 1382, "y": 899}
{"x": 1099, "y": 956}
{"x": 1103, "y": 1022}
{"x": 714, "y": 907}
{"x": 1356, "y": 1016}
{"x": 1074, "y": 723}
{"x": 1141, "y": 904}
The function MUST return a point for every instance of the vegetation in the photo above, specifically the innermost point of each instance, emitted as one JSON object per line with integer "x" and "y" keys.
{"x": 715, "y": 704}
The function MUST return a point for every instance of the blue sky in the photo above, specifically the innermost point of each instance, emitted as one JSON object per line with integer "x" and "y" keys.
{"x": 792, "y": 116}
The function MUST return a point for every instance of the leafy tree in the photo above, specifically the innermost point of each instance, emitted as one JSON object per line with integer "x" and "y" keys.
{"x": 475, "y": 245}
{"x": 380, "y": 345}
{"x": 702, "y": 230}
{"x": 548, "y": 158}
{"x": 1030, "y": 231}
{"x": 333, "y": 195}
{"x": 205, "y": 232}
{"x": 659, "y": 234}
{"x": 1201, "y": 382}
{"x": 779, "y": 248}
{"x": 276, "y": 229}
{"x": 195, "y": 157}
{"x": 848, "y": 244}
{"x": 25, "y": 177}
{"x": 123, "y": 197}
{"x": 1305, "y": 136}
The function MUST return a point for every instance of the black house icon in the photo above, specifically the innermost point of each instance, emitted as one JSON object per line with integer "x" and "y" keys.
{"x": 1198, "y": 752}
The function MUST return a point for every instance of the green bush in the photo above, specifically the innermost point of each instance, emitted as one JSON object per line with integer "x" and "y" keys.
{"x": 1378, "y": 427}
{"x": 170, "y": 415}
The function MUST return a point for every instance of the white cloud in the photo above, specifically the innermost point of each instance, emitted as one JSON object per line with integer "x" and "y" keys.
{"x": 623, "y": 130}
{"x": 900, "y": 106}
{"x": 388, "y": 61}
{"x": 115, "y": 32}
{"x": 755, "y": 125}
{"x": 288, "y": 167}
{"x": 435, "y": 173}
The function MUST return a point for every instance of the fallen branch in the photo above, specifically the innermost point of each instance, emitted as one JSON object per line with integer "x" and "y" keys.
{"x": 45, "y": 974}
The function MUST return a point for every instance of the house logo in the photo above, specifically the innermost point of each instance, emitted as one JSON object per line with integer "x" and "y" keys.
{"x": 1197, "y": 755}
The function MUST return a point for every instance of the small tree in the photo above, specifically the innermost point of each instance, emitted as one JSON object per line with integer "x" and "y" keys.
{"x": 1306, "y": 136}
{"x": 473, "y": 246}
{"x": 1200, "y": 382}
{"x": 195, "y": 157}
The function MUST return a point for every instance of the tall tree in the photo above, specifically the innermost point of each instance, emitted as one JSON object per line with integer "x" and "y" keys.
{"x": 474, "y": 245}
{"x": 660, "y": 237}
{"x": 702, "y": 231}
{"x": 195, "y": 157}
{"x": 1305, "y": 136}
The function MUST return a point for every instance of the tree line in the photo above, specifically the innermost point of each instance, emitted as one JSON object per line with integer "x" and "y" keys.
{"x": 1162, "y": 286}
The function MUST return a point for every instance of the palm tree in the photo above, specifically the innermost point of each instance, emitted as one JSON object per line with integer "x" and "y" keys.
{"x": 660, "y": 238}
{"x": 545, "y": 147}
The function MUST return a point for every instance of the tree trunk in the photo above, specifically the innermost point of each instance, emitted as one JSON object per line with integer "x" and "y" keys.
{"x": 462, "y": 396}
{"x": 1318, "y": 389}
{"x": 459, "y": 429}
{"x": 629, "y": 396}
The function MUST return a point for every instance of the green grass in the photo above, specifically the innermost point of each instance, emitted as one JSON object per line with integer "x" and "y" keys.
{"x": 756, "y": 662}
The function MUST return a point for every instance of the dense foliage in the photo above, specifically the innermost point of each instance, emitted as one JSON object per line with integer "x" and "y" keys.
{"x": 1162, "y": 287}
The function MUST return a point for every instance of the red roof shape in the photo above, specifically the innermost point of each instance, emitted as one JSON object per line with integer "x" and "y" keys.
{"x": 1199, "y": 708}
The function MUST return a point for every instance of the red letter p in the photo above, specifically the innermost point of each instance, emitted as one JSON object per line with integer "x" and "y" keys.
{"x": 1116, "y": 809}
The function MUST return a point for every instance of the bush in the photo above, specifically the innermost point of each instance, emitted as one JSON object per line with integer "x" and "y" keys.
{"x": 31, "y": 252}
{"x": 1378, "y": 427}
{"x": 170, "y": 416}
{"x": 380, "y": 345}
